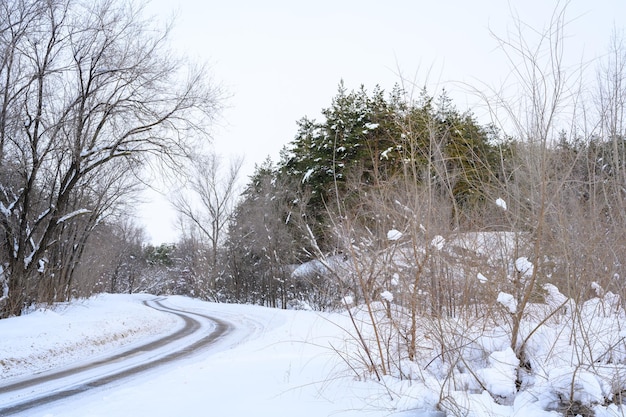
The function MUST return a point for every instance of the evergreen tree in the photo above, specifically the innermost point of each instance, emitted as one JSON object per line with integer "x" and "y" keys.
{"x": 356, "y": 138}
{"x": 370, "y": 140}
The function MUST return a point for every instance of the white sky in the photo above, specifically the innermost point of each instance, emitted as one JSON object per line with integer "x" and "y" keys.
{"x": 280, "y": 60}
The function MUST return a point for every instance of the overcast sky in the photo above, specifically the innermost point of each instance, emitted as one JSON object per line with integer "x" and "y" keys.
{"x": 282, "y": 60}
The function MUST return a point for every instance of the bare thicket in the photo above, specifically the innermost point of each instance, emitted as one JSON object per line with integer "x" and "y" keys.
{"x": 113, "y": 259}
{"x": 567, "y": 182}
{"x": 405, "y": 269}
{"x": 538, "y": 256}
{"x": 260, "y": 254}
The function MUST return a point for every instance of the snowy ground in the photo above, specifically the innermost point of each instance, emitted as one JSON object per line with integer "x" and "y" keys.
{"x": 277, "y": 363}
{"x": 283, "y": 363}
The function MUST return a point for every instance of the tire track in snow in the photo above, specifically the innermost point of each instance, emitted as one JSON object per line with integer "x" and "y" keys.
{"x": 95, "y": 374}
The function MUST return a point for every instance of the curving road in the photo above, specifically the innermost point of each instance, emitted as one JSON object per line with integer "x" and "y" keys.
{"x": 199, "y": 331}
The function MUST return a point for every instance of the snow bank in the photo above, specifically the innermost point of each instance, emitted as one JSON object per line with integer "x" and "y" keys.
{"x": 499, "y": 378}
{"x": 68, "y": 333}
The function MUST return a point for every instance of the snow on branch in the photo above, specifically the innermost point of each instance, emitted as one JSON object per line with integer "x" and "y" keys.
{"x": 7, "y": 211}
{"x": 72, "y": 214}
{"x": 42, "y": 215}
{"x": 501, "y": 203}
{"x": 394, "y": 234}
{"x": 307, "y": 175}
{"x": 28, "y": 259}
{"x": 5, "y": 284}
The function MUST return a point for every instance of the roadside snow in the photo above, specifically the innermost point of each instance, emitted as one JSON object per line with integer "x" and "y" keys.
{"x": 68, "y": 333}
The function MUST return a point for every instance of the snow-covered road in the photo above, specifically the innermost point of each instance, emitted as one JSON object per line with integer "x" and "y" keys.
{"x": 197, "y": 331}
{"x": 265, "y": 362}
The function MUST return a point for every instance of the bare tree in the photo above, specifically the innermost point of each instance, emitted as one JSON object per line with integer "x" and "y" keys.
{"x": 208, "y": 205}
{"x": 84, "y": 85}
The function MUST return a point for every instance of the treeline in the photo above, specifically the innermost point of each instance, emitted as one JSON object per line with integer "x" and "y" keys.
{"x": 88, "y": 100}
{"x": 376, "y": 162}
{"x": 379, "y": 162}
{"x": 367, "y": 143}
{"x": 263, "y": 247}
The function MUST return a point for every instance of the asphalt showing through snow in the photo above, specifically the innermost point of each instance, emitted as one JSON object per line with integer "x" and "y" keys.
{"x": 57, "y": 385}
